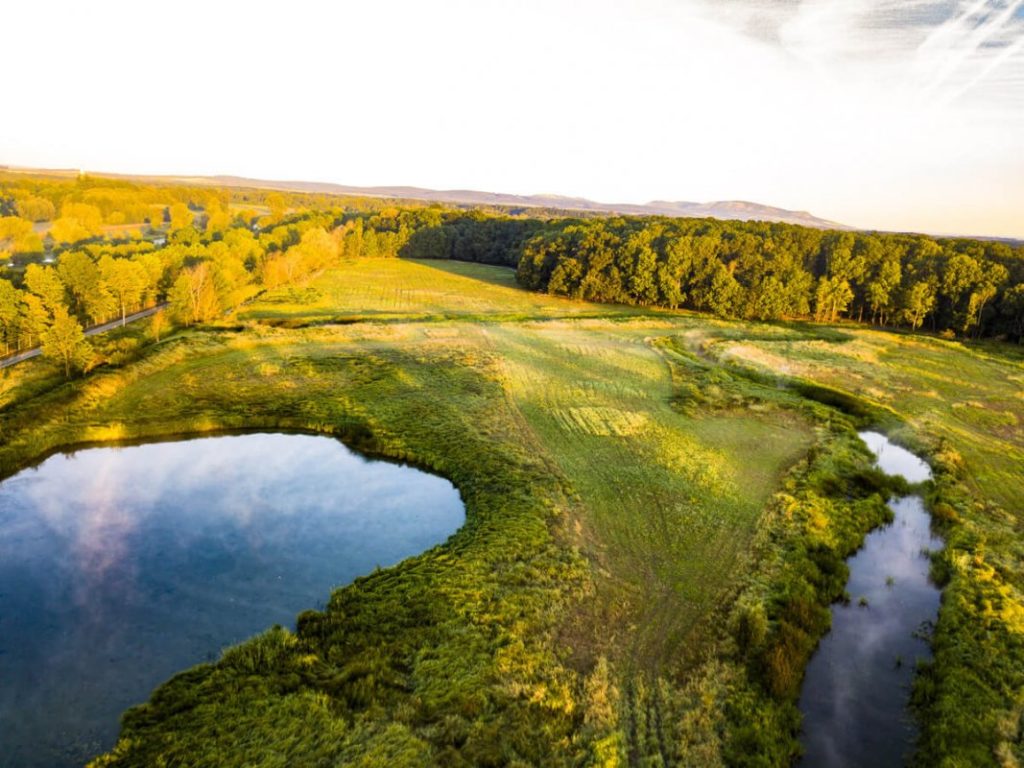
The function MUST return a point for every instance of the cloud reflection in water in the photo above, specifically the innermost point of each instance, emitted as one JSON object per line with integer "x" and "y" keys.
{"x": 857, "y": 685}
{"x": 121, "y": 566}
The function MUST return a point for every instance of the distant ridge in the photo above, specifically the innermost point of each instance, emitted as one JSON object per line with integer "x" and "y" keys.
{"x": 724, "y": 209}
{"x": 741, "y": 210}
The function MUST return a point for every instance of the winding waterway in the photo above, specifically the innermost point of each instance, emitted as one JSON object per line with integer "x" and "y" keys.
{"x": 122, "y": 566}
{"x": 856, "y": 688}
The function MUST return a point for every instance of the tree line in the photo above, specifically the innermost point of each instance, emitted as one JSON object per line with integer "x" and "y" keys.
{"x": 752, "y": 270}
{"x": 199, "y": 274}
{"x": 40, "y": 213}
{"x": 217, "y": 246}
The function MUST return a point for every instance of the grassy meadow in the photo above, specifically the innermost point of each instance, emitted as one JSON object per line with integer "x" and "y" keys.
{"x": 664, "y": 503}
{"x": 656, "y": 521}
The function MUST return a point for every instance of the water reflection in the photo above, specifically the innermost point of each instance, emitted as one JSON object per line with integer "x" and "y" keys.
{"x": 121, "y": 566}
{"x": 895, "y": 460}
{"x": 857, "y": 685}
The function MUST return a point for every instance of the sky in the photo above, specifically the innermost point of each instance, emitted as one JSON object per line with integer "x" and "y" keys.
{"x": 881, "y": 114}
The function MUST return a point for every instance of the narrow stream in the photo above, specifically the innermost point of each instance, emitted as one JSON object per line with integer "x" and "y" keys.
{"x": 856, "y": 689}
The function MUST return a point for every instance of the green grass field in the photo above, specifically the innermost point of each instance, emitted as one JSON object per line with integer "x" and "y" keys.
{"x": 630, "y": 493}
{"x": 398, "y": 290}
{"x": 666, "y": 502}
{"x": 971, "y": 396}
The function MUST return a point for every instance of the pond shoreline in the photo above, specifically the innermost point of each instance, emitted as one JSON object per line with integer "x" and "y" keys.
{"x": 123, "y": 565}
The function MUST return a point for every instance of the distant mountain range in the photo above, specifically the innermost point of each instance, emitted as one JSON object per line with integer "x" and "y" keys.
{"x": 741, "y": 210}
{"x": 723, "y": 209}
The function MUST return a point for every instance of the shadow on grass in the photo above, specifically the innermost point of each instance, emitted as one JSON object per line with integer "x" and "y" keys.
{"x": 492, "y": 274}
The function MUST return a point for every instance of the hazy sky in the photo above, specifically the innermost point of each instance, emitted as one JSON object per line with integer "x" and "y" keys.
{"x": 895, "y": 114}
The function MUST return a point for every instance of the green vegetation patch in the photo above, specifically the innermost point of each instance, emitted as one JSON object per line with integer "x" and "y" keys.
{"x": 961, "y": 406}
{"x": 657, "y": 517}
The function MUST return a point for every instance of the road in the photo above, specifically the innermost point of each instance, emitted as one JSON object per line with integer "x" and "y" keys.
{"x": 30, "y": 353}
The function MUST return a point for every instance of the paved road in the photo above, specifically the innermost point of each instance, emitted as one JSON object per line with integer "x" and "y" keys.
{"x": 30, "y": 353}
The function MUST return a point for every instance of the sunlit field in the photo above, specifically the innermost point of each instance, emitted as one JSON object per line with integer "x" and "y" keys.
{"x": 666, "y": 502}
{"x": 650, "y": 507}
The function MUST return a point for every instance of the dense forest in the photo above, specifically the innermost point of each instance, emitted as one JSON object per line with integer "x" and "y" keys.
{"x": 752, "y": 270}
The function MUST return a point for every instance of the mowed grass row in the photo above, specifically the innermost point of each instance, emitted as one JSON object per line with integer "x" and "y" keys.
{"x": 667, "y": 502}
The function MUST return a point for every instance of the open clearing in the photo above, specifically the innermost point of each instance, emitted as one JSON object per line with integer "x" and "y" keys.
{"x": 665, "y": 503}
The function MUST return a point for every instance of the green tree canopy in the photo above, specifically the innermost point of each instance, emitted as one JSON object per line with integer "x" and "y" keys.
{"x": 64, "y": 341}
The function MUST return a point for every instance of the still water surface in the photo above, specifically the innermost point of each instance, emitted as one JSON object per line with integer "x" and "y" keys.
{"x": 857, "y": 686}
{"x": 122, "y": 566}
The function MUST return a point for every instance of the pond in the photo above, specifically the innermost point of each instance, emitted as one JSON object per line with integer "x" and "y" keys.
{"x": 856, "y": 689}
{"x": 121, "y": 566}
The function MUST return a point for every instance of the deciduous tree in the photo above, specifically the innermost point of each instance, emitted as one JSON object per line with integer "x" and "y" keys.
{"x": 64, "y": 341}
{"x": 10, "y": 309}
{"x": 126, "y": 280}
{"x": 33, "y": 319}
{"x": 918, "y": 301}
{"x": 45, "y": 283}
{"x": 36, "y": 208}
{"x": 158, "y": 324}
{"x": 18, "y": 236}
{"x": 193, "y": 297}
{"x": 181, "y": 216}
